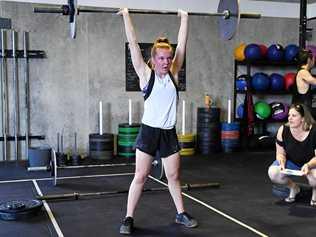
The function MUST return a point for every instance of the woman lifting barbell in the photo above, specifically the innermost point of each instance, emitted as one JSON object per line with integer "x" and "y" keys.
{"x": 158, "y": 82}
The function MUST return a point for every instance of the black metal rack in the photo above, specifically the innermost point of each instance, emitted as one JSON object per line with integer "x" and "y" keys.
{"x": 258, "y": 63}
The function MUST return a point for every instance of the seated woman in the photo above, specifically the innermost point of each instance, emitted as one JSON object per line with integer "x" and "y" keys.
{"x": 295, "y": 149}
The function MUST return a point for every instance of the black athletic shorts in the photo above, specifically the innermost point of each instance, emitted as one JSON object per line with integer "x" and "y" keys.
{"x": 150, "y": 140}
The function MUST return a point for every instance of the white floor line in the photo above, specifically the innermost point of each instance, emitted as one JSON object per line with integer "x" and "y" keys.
{"x": 48, "y": 210}
{"x": 215, "y": 210}
{"x": 65, "y": 177}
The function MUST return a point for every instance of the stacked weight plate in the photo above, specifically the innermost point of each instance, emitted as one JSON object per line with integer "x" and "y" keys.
{"x": 208, "y": 130}
{"x": 101, "y": 146}
{"x": 230, "y": 136}
{"x": 187, "y": 144}
{"x": 126, "y": 139}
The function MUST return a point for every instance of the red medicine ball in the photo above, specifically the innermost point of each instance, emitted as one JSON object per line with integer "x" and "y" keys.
{"x": 289, "y": 79}
{"x": 264, "y": 50}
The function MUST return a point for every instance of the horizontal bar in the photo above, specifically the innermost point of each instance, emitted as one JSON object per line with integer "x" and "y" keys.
{"x": 311, "y": 19}
{"x": 95, "y": 166}
{"x": 159, "y": 12}
{"x": 20, "y": 54}
{"x": 21, "y": 138}
{"x": 38, "y": 168}
{"x": 226, "y": 14}
{"x": 76, "y": 196}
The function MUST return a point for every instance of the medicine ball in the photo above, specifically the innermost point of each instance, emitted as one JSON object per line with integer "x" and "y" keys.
{"x": 275, "y": 52}
{"x": 240, "y": 111}
{"x": 252, "y": 52}
{"x": 264, "y": 50}
{"x": 241, "y": 82}
{"x": 262, "y": 110}
{"x": 312, "y": 48}
{"x": 260, "y": 81}
{"x": 291, "y": 52}
{"x": 289, "y": 80}
{"x": 276, "y": 82}
{"x": 239, "y": 52}
{"x": 279, "y": 111}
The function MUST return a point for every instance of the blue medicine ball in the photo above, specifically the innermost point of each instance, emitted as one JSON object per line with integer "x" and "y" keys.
{"x": 241, "y": 85}
{"x": 252, "y": 52}
{"x": 275, "y": 52}
{"x": 290, "y": 52}
{"x": 276, "y": 82}
{"x": 241, "y": 82}
{"x": 260, "y": 81}
{"x": 240, "y": 111}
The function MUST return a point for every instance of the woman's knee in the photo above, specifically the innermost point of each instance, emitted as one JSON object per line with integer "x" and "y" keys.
{"x": 275, "y": 175}
{"x": 311, "y": 176}
{"x": 173, "y": 175}
{"x": 140, "y": 177}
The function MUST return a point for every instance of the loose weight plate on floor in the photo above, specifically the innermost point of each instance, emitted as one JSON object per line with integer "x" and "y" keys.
{"x": 18, "y": 209}
{"x": 101, "y": 147}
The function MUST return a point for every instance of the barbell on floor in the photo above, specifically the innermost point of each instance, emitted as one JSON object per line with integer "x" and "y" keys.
{"x": 157, "y": 170}
{"x": 227, "y": 11}
{"x": 76, "y": 196}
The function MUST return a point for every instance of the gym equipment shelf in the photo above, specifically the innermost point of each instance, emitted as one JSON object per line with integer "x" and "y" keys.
{"x": 256, "y": 66}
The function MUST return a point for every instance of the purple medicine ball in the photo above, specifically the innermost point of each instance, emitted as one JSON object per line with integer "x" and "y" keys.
{"x": 279, "y": 110}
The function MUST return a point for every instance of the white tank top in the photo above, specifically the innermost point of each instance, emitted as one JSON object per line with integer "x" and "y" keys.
{"x": 160, "y": 108}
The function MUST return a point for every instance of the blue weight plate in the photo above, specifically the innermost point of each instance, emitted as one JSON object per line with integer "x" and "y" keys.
{"x": 228, "y": 26}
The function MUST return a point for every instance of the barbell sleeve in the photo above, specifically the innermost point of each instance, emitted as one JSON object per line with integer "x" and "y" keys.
{"x": 250, "y": 15}
{"x": 47, "y": 10}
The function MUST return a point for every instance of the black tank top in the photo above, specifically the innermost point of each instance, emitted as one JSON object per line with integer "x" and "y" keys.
{"x": 299, "y": 152}
{"x": 305, "y": 99}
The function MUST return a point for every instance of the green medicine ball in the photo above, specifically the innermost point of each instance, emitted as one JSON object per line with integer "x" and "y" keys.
{"x": 262, "y": 110}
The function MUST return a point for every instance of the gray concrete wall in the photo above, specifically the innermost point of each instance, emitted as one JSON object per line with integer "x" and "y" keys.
{"x": 66, "y": 86}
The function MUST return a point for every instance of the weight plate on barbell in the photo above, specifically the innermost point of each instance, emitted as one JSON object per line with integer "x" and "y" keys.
{"x": 228, "y": 25}
{"x": 157, "y": 170}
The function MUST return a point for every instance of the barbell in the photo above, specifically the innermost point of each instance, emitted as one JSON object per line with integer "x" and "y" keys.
{"x": 157, "y": 170}
{"x": 227, "y": 11}
{"x": 76, "y": 195}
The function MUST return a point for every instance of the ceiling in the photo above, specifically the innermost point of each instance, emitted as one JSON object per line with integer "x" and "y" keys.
{"x": 288, "y": 1}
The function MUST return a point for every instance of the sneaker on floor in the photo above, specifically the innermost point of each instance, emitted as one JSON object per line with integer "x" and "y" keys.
{"x": 185, "y": 219}
{"x": 293, "y": 192}
{"x": 127, "y": 226}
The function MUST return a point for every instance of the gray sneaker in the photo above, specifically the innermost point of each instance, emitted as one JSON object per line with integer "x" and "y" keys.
{"x": 127, "y": 226}
{"x": 186, "y": 220}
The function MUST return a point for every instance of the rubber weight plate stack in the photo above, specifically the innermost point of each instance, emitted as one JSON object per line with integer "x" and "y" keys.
{"x": 208, "y": 130}
{"x": 230, "y": 136}
{"x": 101, "y": 146}
{"x": 126, "y": 139}
{"x": 187, "y": 144}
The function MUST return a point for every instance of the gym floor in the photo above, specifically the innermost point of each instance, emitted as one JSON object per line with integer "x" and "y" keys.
{"x": 242, "y": 206}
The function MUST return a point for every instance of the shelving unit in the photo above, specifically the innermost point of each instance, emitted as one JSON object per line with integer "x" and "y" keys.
{"x": 250, "y": 68}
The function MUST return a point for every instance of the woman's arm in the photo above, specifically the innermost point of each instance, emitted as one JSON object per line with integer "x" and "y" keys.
{"x": 307, "y": 77}
{"x": 280, "y": 152}
{"x": 141, "y": 68}
{"x": 181, "y": 46}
